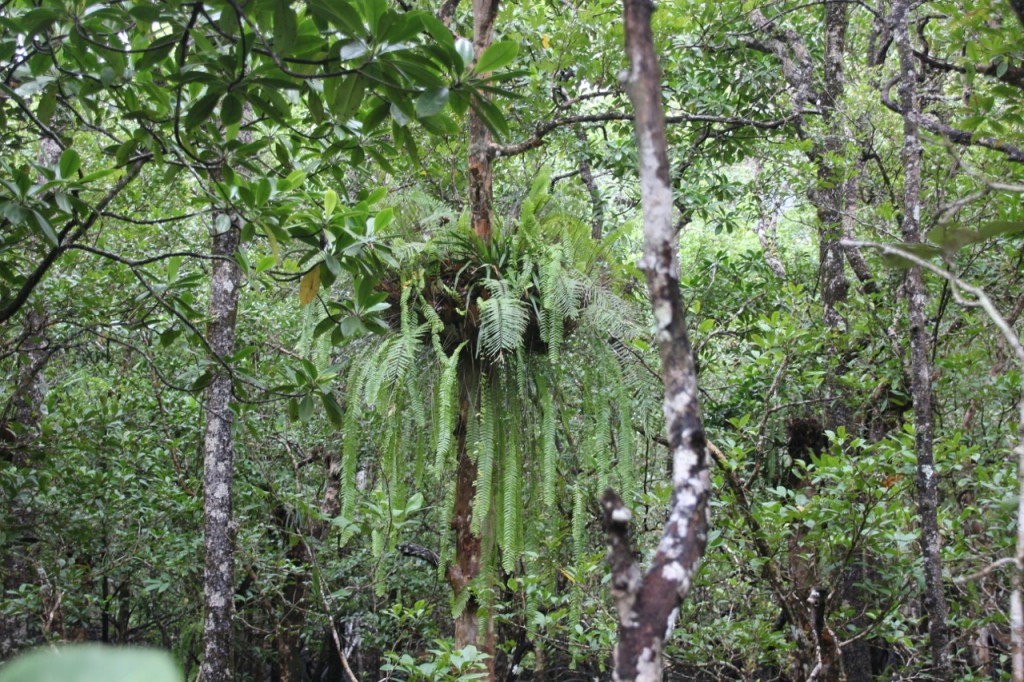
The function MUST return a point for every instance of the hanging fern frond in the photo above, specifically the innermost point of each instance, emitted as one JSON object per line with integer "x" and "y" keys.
{"x": 579, "y": 522}
{"x": 460, "y": 601}
{"x": 549, "y": 448}
{"x": 512, "y": 508}
{"x": 306, "y": 325}
{"x": 602, "y": 446}
{"x": 503, "y": 319}
{"x": 561, "y": 290}
{"x": 486, "y": 450}
{"x": 350, "y": 438}
{"x": 448, "y": 405}
{"x": 624, "y": 439}
{"x": 448, "y": 509}
{"x": 376, "y": 370}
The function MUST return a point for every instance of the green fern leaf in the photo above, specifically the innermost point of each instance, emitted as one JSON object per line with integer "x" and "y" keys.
{"x": 486, "y": 447}
{"x": 503, "y": 319}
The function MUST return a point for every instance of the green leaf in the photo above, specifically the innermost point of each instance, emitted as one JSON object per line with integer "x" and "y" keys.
{"x": 354, "y": 49}
{"x": 47, "y": 105}
{"x": 340, "y": 13}
{"x": 491, "y": 116}
{"x": 202, "y": 109}
{"x": 349, "y": 96}
{"x": 334, "y": 412}
{"x": 432, "y": 101}
{"x": 284, "y": 26}
{"x": 45, "y": 228}
{"x": 305, "y": 408}
{"x": 92, "y": 663}
{"x": 231, "y": 109}
{"x": 69, "y": 164}
{"x": 399, "y": 116}
{"x": 496, "y": 56}
{"x": 438, "y": 31}
{"x": 330, "y": 202}
{"x": 316, "y": 106}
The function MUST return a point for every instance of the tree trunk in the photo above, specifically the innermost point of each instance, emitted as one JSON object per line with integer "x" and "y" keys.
{"x": 468, "y": 547}
{"x": 481, "y": 190}
{"x": 218, "y": 457}
{"x": 921, "y": 387}
{"x": 649, "y": 605}
{"x": 828, "y": 196}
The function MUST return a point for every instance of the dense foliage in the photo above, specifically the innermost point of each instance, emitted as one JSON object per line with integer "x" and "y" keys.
{"x": 380, "y": 340}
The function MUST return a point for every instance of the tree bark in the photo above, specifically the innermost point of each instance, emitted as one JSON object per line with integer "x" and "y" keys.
{"x": 218, "y": 457}
{"x": 828, "y": 196}
{"x": 587, "y": 176}
{"x": 481, "y": 179}
{"x": 649, "y": 605}
{"x": 468, "y": 547}
{"x": 921, "y": 386}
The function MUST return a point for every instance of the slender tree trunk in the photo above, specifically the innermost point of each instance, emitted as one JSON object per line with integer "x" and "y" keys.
{"x": 481, "y": 179}
{"x": 218, "y": 458}
{"x": 921, "y": 386}
{"x": 828, "y": 196}
{"x": 468, "y": 547}
{"x": 587, "y": 176}
{"x": 648, "y": 605}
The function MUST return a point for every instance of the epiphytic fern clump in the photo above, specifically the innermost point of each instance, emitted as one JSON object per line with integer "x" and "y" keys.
{"x": 508, "y": 352}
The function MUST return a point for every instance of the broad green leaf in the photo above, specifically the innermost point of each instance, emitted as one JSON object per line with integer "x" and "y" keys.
{"x": 316, "y": 107}
{"x": 334, "y": 412}
{"x": 438, "y": 31}
{"x": 491, "y": 116}
{"x": 47, "y": 104}
{"x": 399, "y": 116}
{"x": 496, "y": 56}
{"x": 432, "y": 101}
{"x": 354, "y": 49}
{"x": 340, "y": 13}
{"x": 45, "y": 227}
{"x": 349, "y": 96}
{"x": 330, "y": 202}
{"x": 231, "y": 109}
{"x": 305, "y": 408}
{"x": 285, "y": 26}
{"x": 91, "y": 663}
{"x": 201, "y": 110}
{"x": 69, "y": 164}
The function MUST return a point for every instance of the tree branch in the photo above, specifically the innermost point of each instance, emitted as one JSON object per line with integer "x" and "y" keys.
{"x": 73, "y": 231}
